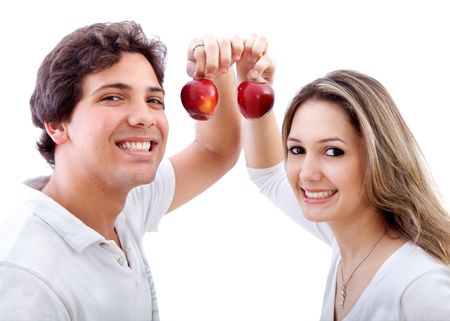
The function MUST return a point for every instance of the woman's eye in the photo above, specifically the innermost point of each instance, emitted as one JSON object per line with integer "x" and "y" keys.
{"x": 296, "y": 150}
{"x": 334, "y": 152}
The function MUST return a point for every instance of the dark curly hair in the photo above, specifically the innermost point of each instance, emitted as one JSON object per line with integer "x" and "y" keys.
{"x": 84, "y": 51}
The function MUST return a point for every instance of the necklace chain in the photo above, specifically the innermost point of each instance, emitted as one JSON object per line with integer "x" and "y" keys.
{"x": 344, "y": 284}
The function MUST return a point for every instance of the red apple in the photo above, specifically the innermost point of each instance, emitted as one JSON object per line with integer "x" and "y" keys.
{"x": 199, "y": 98}
{"x": 255, "y": 99}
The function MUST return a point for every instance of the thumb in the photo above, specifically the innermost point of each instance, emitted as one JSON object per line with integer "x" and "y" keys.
{"x": 190, "y": 68}
{"x": 254, "y": 76}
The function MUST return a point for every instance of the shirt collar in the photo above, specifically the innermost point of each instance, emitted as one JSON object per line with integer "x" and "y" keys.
{"x": 75, "y": 233}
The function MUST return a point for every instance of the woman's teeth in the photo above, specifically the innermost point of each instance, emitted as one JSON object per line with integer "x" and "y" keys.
{"x": 320, "y": 195}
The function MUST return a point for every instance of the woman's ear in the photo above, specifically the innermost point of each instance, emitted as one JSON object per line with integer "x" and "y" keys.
{"x": 57, "y": 132}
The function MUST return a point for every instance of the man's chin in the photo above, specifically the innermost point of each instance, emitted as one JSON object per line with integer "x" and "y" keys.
{"x": 144, "y": 179}
{"x": 141, "y": 175}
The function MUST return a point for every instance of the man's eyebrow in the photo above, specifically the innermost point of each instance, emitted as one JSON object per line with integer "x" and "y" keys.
{"x": 122, "y": 86}
{"x": 156, "y": 89}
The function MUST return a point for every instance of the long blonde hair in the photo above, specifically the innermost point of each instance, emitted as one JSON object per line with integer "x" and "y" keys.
{"x": 397, "y": 178}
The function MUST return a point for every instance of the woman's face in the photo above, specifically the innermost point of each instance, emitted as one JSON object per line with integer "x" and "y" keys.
{"x": 325, "y": 164}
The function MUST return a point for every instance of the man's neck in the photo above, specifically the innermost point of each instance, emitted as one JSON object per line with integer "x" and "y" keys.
{"x": 94, "y": 204}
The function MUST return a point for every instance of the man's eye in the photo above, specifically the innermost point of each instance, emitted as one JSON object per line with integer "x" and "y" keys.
{"x": 296, "y": 150}
{"x": 111, "y": 98}
{"x": 156, "y": 103}
{"x": 334, "y": 151}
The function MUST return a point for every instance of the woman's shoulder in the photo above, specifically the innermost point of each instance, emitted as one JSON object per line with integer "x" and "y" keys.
{"x": 427, "y": 294}
{"x": 413, "y": 261}
{"x": 409, "y": 265}
{"x": 413, "y": 284}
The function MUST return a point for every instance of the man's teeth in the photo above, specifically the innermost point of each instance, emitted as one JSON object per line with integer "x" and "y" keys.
{"x": 319, "y": 195}
{"x": 135, "y": 146}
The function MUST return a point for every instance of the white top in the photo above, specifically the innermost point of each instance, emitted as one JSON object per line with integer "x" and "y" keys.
{"x": 54, "y": 267}
{"x": 410, "y": 285}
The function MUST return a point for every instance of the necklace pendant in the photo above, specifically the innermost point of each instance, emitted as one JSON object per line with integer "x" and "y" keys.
{"x": 344, "y": 284}
{"x": 342, "y": 297}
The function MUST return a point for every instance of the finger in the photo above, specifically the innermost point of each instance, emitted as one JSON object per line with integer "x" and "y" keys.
{"x": 224, "y": 55}
{"x": 237, "y": 48}
{"x": 196, "y": 59}
{"x": 195, "y": 44}
{"x": 212, "y": 55}
{"x": 263, "y": 70}
{"x": 248, "y": 46}
{"x": 259, "y": 47}
{"x": 191, "y": 68}
{"x": 200, "y": 62}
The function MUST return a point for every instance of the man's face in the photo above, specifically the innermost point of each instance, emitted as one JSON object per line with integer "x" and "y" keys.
{"x": 118, "y": 131}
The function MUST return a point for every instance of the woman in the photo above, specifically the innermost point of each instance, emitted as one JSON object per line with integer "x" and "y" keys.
{"x": 363, "y": 187}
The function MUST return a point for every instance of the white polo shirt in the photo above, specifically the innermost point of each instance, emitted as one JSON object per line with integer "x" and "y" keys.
{"x": 54, "y": 267}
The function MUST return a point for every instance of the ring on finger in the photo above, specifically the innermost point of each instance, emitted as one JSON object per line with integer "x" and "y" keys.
{"x": 195, "y": 47}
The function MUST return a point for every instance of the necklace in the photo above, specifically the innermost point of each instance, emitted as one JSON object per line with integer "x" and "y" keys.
{"x": 344, "y": 284}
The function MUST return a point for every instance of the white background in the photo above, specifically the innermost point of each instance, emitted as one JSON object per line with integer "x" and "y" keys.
{"x": 230, "y": 254}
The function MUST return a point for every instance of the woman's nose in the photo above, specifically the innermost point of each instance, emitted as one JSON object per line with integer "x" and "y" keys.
{"x": 310, "y": 169}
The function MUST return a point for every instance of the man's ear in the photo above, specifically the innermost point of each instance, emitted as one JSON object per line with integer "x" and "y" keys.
{"x": 57, "y": 132}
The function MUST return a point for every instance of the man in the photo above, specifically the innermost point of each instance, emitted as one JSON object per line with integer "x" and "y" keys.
{"x": 73, "y": 251}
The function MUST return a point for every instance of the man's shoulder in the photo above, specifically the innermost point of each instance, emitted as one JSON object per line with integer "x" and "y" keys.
{"x": 26, "y": 260}
{"x": 12, "y": 231}
{"x": 24, "y": 238}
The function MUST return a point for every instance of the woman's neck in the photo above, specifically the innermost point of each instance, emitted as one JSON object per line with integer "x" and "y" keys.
{"x": 355, "y": 237}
